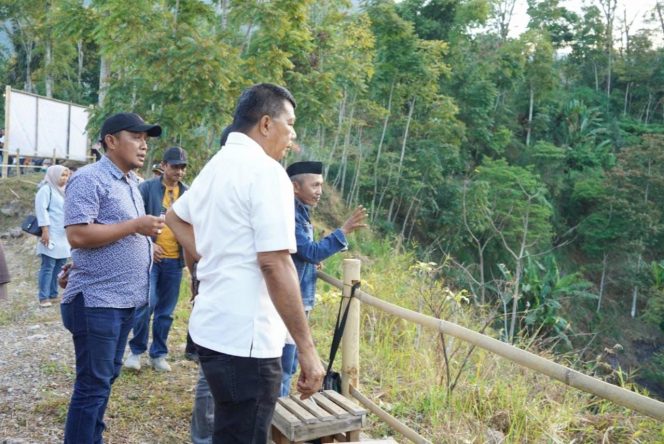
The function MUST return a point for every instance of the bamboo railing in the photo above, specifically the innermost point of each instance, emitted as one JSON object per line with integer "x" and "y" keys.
{"x": 350, "y": 367}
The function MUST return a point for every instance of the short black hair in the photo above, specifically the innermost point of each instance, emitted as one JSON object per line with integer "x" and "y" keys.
{"x": 224, "y": 135}
{"x": 257, "y": 101}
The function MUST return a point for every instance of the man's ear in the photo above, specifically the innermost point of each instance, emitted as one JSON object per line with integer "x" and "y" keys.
{"x": 296, "y": 186}
{"x": 110, "y": 140}
{"x": 264, "y": 125}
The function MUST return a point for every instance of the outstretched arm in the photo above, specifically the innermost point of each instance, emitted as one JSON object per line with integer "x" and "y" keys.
{"x": 316, "y": 252}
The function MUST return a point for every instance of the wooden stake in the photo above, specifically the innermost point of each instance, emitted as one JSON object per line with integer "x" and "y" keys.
{"x": 350, "y": 344}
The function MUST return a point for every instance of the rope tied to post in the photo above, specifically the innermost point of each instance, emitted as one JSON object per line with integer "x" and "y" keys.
{"x": 332, "y": 379}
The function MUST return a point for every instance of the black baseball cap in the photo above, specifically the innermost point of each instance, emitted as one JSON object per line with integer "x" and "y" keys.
{"x": 128, "y": 122}
{"x": 175, "y": 156}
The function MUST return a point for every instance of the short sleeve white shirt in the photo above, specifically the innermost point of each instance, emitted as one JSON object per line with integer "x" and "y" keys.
{"x": 240, "y": 204}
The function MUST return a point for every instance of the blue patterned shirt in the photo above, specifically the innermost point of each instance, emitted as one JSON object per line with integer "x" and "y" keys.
{"x": 309, "y": 252}
{"x": 115, "y": 275}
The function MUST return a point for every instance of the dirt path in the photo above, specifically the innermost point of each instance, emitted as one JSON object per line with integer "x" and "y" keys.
{"x": 36, "y": 354}
{"x": 37, "y": 372}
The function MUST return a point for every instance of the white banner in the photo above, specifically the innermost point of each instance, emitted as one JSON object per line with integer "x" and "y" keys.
{"x": 41, "y": 127}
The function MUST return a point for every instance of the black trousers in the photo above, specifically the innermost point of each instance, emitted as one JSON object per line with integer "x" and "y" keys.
{"x": 245, "y": 392}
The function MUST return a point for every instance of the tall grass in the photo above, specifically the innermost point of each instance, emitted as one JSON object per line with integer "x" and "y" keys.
{"x": 403, "y": 369}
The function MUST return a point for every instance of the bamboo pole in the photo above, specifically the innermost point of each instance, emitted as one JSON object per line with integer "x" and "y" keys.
{"x": 390, "y": 420}
{"x": 618, "y": 395}
{"x": 350, "y": 343}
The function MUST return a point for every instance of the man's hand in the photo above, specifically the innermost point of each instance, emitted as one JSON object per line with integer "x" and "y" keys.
{"x": 63, "y": 276}
{"x": 355, "y": 221}
{"x": 311, "y": 374}
{"x": 44, "y": 236}
{"x": 148, "y": 225}
{"x": 157, "y": 252}
{"x": 284, "y": 289}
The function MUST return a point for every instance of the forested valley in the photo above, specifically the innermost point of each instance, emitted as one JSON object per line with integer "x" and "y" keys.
{"x": 528, "y": 169}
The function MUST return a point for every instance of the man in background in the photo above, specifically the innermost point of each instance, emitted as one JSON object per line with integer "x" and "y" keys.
{"x": 159, "y": 194}
{"x": 307, "y": 179}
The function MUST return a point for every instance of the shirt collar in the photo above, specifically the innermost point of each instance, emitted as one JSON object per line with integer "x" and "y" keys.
{"x": 237, "y": 138}
{"x": 112, "y": 168}
{"x": 299, "y": 205}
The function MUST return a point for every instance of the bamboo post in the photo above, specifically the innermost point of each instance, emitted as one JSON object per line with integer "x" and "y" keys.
{"x": 350, "y": 344}
{"x": 18, "y": 163}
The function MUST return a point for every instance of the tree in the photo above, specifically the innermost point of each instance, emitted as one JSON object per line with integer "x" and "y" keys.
{"x": 558, "y": 21}
{"x": 538, "y": 71}
{"x": 518, "y": 212}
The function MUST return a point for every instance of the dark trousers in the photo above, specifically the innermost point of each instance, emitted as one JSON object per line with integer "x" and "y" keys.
{"x": 100, "y": 337}
{"x": 245, "y": 392}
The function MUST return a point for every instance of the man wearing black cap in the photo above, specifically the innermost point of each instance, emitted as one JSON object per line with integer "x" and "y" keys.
{"x": 108, "y": 231}
{"x": 158, "y": 195}
{"x": 307, "y": 179}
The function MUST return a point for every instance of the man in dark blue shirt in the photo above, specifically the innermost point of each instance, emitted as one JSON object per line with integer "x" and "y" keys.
{"x": 307, "y": 179}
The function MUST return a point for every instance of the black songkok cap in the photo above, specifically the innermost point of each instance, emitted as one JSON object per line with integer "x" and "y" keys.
{"x": 304, "y": 168}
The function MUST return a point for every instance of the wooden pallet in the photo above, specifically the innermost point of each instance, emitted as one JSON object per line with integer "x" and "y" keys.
{"x": 326, "y": 415}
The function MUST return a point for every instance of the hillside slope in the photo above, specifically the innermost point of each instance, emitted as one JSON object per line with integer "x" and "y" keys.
{"x": 402, "y": 367}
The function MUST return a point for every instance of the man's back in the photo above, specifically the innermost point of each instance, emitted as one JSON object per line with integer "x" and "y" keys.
{"x": 235, "y": 206}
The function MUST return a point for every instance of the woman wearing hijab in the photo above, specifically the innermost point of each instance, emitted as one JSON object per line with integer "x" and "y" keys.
{"x": 53, "y": 246}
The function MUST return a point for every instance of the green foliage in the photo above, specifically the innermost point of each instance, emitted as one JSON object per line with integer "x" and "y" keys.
{"x": 466, "y": 143}
{"x": 655, "y": 304}
{"x": 516, "y": 204}
{"x": 543, "y": 291}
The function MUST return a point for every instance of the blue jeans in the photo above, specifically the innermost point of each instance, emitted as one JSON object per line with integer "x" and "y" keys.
{"x": 289, "y": 363}
{"x": 202, "y": 416}
{"x": 100, "y": 337}
{"x": 48, "y": 277}
{"x": 165, "y": 279}
{"x": 289, "y": 367}
{"x": 245, "y": 392}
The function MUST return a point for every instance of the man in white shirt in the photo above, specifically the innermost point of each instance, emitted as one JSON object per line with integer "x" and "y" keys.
{"x": 237, "y": 221}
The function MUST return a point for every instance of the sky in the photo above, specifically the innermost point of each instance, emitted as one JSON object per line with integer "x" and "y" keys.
{"x": 635, "y": 11}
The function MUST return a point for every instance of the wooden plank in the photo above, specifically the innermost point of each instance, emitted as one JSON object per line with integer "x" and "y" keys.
{"x": 278, "y": 437}
{"x": 285, "y": 422}
{"x": 285, "y": 415}
{"x": 314, "y": 409}
{"x": 344, "y": 402}
{"x": 298, "y": 411}
{"x": 308, "y": 432}
{"x": 331, "y": 406}
{"x": 375, "y": 441}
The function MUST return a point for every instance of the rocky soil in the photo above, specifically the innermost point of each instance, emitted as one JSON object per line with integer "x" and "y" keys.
{"x": 36, "y": 354}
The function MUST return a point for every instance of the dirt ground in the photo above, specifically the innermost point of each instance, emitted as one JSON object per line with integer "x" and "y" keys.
{"x": 37, "y": 372}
